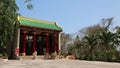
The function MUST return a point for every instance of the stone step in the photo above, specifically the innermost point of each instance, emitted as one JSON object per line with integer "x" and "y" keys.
{"x": 32, "y": 57}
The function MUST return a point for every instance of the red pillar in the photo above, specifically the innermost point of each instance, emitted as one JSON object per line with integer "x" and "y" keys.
{"x": 24, "y": 43}
{"x": 55, "y": 43}
{"x": 34, "y": 42}
{"x": 47, "y": 43}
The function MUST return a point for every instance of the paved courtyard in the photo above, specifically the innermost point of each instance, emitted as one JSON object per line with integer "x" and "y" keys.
{"x": 62, "y": 63}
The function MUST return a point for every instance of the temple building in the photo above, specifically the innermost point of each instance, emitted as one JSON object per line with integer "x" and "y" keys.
{"x": 37, "y": 35}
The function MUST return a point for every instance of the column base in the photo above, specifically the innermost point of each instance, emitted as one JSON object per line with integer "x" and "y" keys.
{"x": 53, "y": 55}
{"x": 34, "y": 56}
{"x": 47, "y": 56}
{"x": 24, "y": 54}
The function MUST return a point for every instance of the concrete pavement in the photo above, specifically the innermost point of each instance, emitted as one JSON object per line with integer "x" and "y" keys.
{"x": 62, "y": 63}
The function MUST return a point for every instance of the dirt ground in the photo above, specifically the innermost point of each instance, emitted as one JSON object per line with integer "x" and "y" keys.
{"x": 59, "y": 63}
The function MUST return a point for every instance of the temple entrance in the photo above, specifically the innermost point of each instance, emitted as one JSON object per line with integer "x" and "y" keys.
{"x": 29, "y": 45}
{"x": 41, "y": 42}
{"x": 40, "y": 45}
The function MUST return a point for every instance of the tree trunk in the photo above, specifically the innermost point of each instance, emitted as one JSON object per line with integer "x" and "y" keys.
{"x": 14, "y": 42}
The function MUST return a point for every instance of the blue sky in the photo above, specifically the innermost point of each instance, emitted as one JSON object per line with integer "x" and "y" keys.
{"x": 72, "y": 15}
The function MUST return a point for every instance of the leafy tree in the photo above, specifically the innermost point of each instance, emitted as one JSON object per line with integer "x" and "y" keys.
{"x": 8, "y": 19}
{"x": 29, "y": 5}
{"x": 98, "y": 42}
{"x": 65, "y": 41}
{"x": 106, "y": 23}
{"x": 8, "y": 26}
{"x": 81, "y": 50}
{"x": 117, "y": 28}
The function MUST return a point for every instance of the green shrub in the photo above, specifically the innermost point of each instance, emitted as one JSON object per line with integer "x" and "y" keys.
{"x": 1, "y": 55}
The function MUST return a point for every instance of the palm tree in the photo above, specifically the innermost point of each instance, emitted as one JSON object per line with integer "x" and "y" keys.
{"x": 107, "y": 42}
{"x": 91, "y": 41}
{"x": 107, "y": 39}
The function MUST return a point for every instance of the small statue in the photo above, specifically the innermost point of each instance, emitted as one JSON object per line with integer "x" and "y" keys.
{"x": 35, "y": 55}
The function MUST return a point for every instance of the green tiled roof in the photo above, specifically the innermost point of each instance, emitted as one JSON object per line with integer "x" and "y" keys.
{"x": 38, "y": 23}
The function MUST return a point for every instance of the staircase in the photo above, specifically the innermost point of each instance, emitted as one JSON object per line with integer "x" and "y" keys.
{"x": 32, "y": 57}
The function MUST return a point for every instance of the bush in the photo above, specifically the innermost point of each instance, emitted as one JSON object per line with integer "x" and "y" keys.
{"x": 1, "y": 55}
